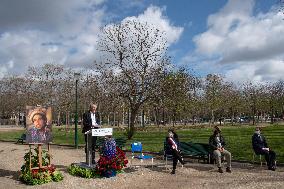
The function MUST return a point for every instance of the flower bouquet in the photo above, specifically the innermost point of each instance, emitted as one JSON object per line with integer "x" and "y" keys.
{"x": 112, "y": 160}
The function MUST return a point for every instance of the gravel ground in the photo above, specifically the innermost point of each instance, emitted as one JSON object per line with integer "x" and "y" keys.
{"x": 192, "y": 175}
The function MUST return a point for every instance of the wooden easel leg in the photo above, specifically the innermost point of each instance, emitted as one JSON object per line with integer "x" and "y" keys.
{"x": 49, "y": 158}
{"x": 30, "y": 158}
{"x": 40, "y": 155}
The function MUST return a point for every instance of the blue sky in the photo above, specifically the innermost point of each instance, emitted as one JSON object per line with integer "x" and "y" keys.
{"x": 239, "y": 39}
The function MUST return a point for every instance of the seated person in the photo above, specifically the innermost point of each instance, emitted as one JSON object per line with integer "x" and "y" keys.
{"x": 260, "y": 147}
{"x": 217, "y": 144}
{"x": 173, "y": 142}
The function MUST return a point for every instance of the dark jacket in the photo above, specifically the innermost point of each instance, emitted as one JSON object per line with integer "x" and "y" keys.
{"x": 213, "y": 142}
{"x": 258, "y": 142}
{"x": 87, "y": 121}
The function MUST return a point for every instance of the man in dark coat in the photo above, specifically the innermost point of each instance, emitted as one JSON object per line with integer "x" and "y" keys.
{"x": 260, "y": 147}
{"x": 91, "y": 120}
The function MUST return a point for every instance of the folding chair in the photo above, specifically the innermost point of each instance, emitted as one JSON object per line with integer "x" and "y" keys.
{"x": 260, "y": 158}
{"x": 136, "y": 147}
{"x": 168, "y": 155}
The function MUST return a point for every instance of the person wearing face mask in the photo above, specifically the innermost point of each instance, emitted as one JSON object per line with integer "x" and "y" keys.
{"x": 217, "y": 145}
{"x": 260, "y": 147}
{"x": 173, "y": 142}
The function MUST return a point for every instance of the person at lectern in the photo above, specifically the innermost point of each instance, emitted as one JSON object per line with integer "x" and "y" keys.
{"x": 91, "y": 120}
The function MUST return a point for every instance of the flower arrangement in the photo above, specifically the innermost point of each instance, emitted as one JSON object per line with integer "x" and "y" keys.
{"x": 112, "y": 161}
{"x": 40, "y": 175}
{"x": 110, "y": 165}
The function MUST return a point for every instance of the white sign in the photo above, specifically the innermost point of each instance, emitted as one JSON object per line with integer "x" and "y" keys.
{"x": 102, "y": 132}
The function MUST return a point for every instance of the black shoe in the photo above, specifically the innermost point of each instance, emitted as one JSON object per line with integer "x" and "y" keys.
{"x": 220, "y": 170}
{"x": 228, "y": 169}
{"x": 272, "y": 168}
{"x": 173, "y": 172}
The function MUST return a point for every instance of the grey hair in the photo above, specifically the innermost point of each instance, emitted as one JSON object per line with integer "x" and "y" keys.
{"x": 93, "y": 104}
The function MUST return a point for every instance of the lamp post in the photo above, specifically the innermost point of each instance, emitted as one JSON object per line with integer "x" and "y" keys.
{"x": 77, "y": 76}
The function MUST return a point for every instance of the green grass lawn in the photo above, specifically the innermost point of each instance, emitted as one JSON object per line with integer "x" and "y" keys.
{"x": 238, "y": 139}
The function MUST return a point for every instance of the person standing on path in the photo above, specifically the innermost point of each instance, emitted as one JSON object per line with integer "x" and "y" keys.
{"x": 91, "y": 120}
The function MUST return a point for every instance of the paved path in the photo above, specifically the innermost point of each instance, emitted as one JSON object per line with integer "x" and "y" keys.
{"x": 193, "y": 175}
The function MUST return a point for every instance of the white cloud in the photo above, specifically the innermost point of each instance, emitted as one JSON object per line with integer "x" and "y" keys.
{"x": 251, "y": 44}
{"x": 67, "y": 17}
{"x": 36, "y": 32}
{"x": 154, "y": 15}
{"x": 259, "y": 72}
{"x": 19, "y": 50}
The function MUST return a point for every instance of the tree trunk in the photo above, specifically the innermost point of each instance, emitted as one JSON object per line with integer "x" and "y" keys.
{"x": 108, "y": 120}
{"x": 164, "y": 120}
{"x": 123, "y": 116}
{"x": 114, "y": 119}
{"x": 155, "y": 117}
{"x": 232, "y": 118}
{"x": 143, "y": 120}
{"x": 271, "y": 116}
{"x": 133, "y": 114}
{"x": 212, "y": 116}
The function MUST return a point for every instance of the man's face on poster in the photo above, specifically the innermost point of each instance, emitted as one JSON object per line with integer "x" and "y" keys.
{"x": 39, "y": 121}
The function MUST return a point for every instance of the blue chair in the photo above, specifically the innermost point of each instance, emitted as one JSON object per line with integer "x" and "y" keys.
{"x": 136, "y": 151}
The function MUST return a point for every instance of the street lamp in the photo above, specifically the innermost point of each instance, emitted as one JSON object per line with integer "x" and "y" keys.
{"x": 76, "y": 76}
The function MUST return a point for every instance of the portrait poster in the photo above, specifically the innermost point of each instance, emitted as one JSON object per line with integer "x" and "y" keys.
{"x": 39, "y": 122}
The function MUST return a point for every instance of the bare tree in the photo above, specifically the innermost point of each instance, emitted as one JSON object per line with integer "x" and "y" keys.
{"x": 213, "y": 92}
{"x": 134, "y": 52}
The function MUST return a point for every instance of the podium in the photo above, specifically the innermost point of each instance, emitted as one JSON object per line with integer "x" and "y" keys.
{"x": 89, "y": 148}
{"x": 93, "y": 132}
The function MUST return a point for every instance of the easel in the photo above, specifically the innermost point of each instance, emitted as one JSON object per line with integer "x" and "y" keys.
{"x": 39, "y": 147}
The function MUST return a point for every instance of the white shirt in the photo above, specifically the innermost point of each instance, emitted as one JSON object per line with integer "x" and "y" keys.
{"x": 93, "y": 117}
{"x": 219, "y": 145}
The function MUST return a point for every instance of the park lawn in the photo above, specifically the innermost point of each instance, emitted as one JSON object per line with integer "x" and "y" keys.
{"x": 238, "y": 139}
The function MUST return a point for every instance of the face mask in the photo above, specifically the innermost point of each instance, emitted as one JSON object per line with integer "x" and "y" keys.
{"x": 257, "y": 132}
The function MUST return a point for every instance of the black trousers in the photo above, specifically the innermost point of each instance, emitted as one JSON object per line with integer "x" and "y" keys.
{"x": 270, "y": 157}
{"x": 94, "y": 141}
{"x": 176, "y": 158}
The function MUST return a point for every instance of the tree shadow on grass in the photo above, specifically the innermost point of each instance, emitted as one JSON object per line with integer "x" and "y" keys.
{"x": 10, "y": 174}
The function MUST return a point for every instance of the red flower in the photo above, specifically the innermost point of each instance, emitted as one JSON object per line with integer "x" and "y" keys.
{"x": 114, "y": 163}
